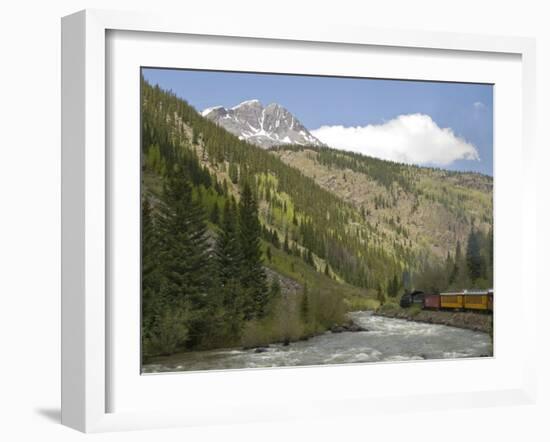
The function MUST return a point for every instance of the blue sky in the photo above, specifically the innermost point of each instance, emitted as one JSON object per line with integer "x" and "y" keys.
{"x": 448, "y": 125}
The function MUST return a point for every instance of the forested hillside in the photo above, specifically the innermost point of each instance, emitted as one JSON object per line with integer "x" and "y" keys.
{"x": 436, "y": 212}
{"x": 244, "y": 246}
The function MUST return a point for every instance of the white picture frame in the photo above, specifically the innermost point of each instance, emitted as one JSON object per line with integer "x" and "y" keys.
{"x": 87, "y": 356}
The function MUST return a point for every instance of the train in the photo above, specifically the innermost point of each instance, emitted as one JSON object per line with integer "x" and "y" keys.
{"x": 465, "y": 300}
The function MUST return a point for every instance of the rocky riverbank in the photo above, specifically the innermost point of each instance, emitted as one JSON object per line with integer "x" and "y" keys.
{"x": 480, "y": 322}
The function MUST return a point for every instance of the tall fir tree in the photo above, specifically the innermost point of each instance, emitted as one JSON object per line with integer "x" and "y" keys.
{"x": 215, "y": 214}
{"x": 229, "y": 260}
{"x": 150, "y": 277}
{"x": 184, "y": 252}
{"x": 304, "y": 304}
{"x": 454, "y": 267}
{"x": 233, "y": 173}
{"x": 253, "y": 276}
{"x": 275, "y": 239}
{"x": 151, "y": 301}
{"x": 393, "y": 286}
{"x": 473, "y": 256}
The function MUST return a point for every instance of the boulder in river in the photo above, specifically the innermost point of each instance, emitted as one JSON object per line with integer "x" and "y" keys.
{"x": 349, "y": 327}
{"x": 355, "y": 328}
{"x": 261, "y": 350}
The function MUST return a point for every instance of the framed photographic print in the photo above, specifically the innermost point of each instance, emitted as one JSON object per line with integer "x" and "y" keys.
{"x": 261, "y": 221}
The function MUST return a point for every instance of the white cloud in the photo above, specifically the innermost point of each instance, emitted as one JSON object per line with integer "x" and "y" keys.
{"x": 413, "y": 139}
{"x": 479, "y": 105}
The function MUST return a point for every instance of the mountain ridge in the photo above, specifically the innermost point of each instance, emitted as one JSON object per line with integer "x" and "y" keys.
{"x": 266, "y": 127}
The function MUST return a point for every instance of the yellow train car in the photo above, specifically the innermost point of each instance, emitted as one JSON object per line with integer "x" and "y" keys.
{"x": 452, "y": 300}
{"x": 476, "y": 300}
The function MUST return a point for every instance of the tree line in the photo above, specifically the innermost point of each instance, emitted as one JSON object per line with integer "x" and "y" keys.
{"x": 469, "y": 267}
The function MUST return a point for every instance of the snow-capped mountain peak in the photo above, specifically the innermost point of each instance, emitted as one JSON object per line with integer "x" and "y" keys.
{"x": 210, "y": 109}
{"x": 265, "y": 126}
{"x": 248, "y": 103}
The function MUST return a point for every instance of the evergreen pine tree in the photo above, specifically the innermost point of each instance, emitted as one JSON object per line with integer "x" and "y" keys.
{"x": 453, "y": 272}
{"x": 233, "y": 173}
{"x": 393, "y": 286}
{"x": 150, "y": 275}
{"x": 380, "y": 294}
{"x": 275, "y": 289}
{"x": 449, "y": 267}
{"x": 406, "y": 280}
{"x": 304, "y": 304}
{"x": 275, "y": 239}
{"x": 253, "y": 276}
{"x": 227, "y": 250}
{"x": 228, "y": 294}
{"x": 473, "y": 256}
{"x": 184, "y": 254}
{"x": 149, "y": 249}
{"x": 215, "y": 213}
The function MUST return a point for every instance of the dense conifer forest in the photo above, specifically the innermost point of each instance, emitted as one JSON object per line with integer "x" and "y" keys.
{"x": 240, "y": 248}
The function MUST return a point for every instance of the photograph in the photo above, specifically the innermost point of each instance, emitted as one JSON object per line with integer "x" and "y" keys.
{"x": 302, "y": 220}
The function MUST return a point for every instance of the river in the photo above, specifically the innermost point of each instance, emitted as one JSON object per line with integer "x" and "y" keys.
{"x": 387, "y": 339}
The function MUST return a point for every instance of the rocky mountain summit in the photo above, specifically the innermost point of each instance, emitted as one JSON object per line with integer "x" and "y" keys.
{"x": 264, "y": 126}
